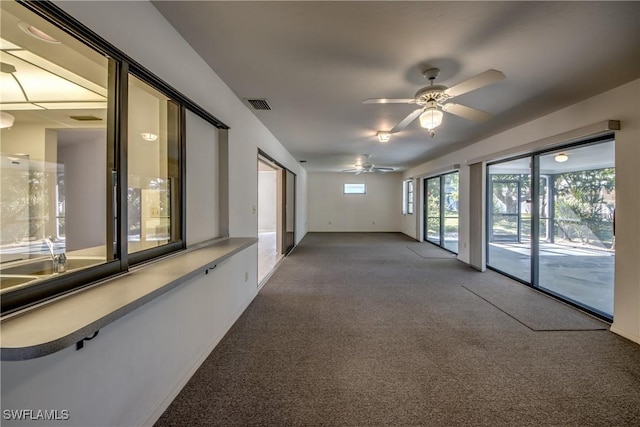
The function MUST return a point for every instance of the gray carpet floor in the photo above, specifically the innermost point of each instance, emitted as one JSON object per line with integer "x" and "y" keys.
{"x": 372, "y": 329}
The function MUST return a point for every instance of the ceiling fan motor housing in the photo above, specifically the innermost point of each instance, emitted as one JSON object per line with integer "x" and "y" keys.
{"x": 433, "y": 93}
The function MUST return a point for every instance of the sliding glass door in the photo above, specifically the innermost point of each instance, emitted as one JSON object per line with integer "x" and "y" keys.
{"x": 432, "y": 207}
{"x": 450, "y": 211}
{"x": 509, "y": 216}
{"x": 577, "y": 256}
{"x": 556, "y": 235}
{"x": 441, "y": 211}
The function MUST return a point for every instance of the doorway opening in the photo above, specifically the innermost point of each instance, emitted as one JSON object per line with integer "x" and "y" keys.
{"x": 269, "y": 217}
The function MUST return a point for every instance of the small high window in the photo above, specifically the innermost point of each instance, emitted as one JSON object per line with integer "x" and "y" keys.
{"x": 354, "y": 189}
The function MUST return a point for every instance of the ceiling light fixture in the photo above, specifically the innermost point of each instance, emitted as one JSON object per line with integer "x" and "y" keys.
{"x": 30, "y": 82}
{"x": 36, "y": 33}
{"x": 561, "y": 158}
{"x": 6, "y": 120}
{"x": 384, "y": 136}
{"x": 431, "y": 119}
{"x": 148, "y": 136}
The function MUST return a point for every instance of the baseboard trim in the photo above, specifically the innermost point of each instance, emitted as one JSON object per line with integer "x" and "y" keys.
{"x": 162, "y": 406}
{"x": 623, "y": 333}
{"x": 266, "y": 278}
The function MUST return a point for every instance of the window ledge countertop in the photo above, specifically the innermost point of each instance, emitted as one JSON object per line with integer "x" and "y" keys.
{"x": 57, "y": 324}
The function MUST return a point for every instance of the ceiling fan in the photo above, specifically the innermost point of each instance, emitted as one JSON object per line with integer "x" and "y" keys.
{"x": 434, "y": 99}
{"x": 367, "y": 167}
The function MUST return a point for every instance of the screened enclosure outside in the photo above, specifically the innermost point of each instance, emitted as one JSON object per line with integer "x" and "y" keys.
{"x": 441, "y": 211}
{"x": 450, "y": 211}
{"x": 432, "y": 203}
{"x": 509, "y": 216}
{"x": 571, "y": 213}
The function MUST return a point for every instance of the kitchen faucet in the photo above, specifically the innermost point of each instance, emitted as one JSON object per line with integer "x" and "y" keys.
{"x": 59, "y": 261}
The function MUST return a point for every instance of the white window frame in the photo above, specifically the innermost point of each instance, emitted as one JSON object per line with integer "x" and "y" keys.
{"x": 353, "y": 189}
{"x": 408, "y": 188}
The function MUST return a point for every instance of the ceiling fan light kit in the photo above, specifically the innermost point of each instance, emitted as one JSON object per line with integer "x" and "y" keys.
{"x": 384, "y": 136}
{"x": 434, "y": 99}
{"x": 431, "y": 118}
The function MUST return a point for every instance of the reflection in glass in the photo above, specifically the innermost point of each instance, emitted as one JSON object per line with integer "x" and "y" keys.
{"x": 53, "y": 169}
{"x": 577, "y": 246}
{"x": 289, "y": 210}
{"x": 153, "y": 165}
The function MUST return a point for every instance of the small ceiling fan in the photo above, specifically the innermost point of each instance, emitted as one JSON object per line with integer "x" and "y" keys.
{"x": 367, "y": 167}
{"x": 434, "y": 99}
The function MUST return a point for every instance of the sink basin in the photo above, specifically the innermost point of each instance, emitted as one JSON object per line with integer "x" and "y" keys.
{"x": 11, "y": 281}
{"x": 44, "y": 267}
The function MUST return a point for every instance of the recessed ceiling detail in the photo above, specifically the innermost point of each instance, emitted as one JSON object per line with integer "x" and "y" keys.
{"x": 86, "y": 118}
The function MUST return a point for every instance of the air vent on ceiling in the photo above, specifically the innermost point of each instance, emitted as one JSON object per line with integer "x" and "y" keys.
{"x": 259, "y": 104}
{"x": 86, "y": 118}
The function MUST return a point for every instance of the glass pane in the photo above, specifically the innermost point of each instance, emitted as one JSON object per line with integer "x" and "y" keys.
{"x": 153, "y": 165}
{"x": 450, "y": 207}
{"x": 577, "y": 246}
{"x": 432, "y": 230}
{"x": 53, "y": 144}
{"x": 354, "y": 189}
{"x": 290, "y": 210}
{"x": 509, "y": 240}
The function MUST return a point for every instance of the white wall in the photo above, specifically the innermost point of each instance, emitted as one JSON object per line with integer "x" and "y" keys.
{"x": 267, "y": 183}
{"x": 132, "y": 370}
{"x": 622, "y": 103}
{"x": 129, "y": 374}
{"x": 85, "y": 180}
{"x": 380, "y": 209}
{"x": 202, "y": 180}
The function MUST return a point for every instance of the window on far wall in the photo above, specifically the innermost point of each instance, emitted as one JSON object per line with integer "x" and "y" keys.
{"x": 354, "y": 189}
{"x": 408, "y": 197}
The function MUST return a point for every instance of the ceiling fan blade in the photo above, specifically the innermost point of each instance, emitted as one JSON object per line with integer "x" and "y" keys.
{"x": 481, "y": 80}
{"x": 467, "y": 112}
{"x": 405, "y": 122}
{"x": 389, "y": 101}
{"x": 383, "y": 169}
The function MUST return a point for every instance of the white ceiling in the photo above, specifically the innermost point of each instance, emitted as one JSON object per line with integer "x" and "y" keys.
{"x": 315, "y": 62}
